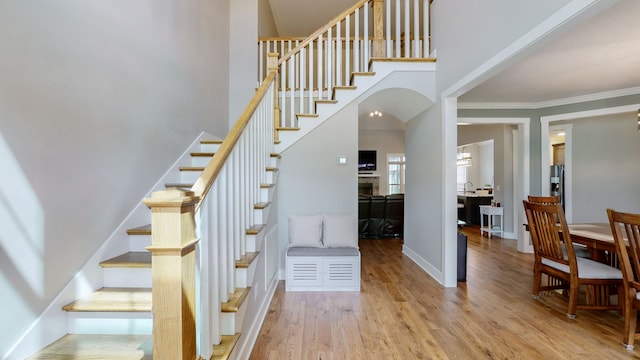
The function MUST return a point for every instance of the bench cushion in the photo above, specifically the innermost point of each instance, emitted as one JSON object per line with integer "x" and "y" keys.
{"x": 340, "y": 230}
{"x": 314, "y": 251}
{"x": 305, "y": 230}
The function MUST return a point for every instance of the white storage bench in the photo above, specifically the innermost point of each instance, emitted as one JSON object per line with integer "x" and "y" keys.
{"x": 323, "y": 269}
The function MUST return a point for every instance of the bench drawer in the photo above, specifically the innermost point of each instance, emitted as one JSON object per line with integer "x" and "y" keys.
{"x": 323, "y": 273}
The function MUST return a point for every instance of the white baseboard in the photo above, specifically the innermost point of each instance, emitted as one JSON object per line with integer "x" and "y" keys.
{"x": 423, "y": 264}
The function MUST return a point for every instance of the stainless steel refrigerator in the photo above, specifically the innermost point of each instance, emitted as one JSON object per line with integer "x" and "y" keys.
{"x": 557, "y": 182}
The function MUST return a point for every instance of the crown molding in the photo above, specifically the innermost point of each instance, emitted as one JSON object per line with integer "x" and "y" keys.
{"x": 547, "y": 104}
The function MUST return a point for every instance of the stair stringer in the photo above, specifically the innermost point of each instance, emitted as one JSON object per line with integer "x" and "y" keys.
{"x": 263, "y": 288}
{"x": 419, "y": 76}
{"x": 53, "y": 323}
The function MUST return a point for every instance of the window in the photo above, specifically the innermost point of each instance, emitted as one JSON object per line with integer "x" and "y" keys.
{"x": 395, "y": 166}
{"x": 462, "y": 177}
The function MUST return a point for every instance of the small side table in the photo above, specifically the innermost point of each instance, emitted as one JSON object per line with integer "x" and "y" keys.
{"x": 491, "y": 212}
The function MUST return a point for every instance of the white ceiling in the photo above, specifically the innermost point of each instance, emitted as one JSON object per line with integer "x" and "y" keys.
{"x": 597, "y": 56}
{"x": 303, "y": 17}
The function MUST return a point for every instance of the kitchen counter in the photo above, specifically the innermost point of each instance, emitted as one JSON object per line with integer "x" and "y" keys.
{"x": 470, "y": 212}
{"x": 472, "y": 194}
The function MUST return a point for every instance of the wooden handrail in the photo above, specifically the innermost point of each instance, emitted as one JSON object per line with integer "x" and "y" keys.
{"x": 213, "y": 168}
{"x": 315, "y": 34}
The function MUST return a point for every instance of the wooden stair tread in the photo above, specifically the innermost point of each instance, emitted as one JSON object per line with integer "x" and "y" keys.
{"x": 210, "y": 141}
{"x": 271, "y": 168}
{"x": 224, "y": 349}
{"x": 262, "y": 205}
{"x": 178, "y": 185}
{"x": 77, "y": 346}
{"x": 140, "y": 230}
{"x": 113, "y": 300}
{"x": 308, "y": 115}
{"x": 326, "y": 101}
{"x": 191, "y": 168}
{"x": 246, "y": 260}
{"x": 267, "y": 186}
{"x": 203, "y": 154}
{"x": 345, "y": 87}
{"x": 275, "y": 155}
{"x": 288, "y": 128}
{"x": 341, "y": 87}
{"x": 132, "y": 259}
{"x": 363, "y": 73}
{"x": 235, "y": 300}
{"x": 255, "y": 229}
{"x": 384, "y": 59}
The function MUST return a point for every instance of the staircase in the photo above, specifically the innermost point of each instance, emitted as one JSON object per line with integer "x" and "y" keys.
{"x": 216, "y": 216}
{"x": 115, "y": 321}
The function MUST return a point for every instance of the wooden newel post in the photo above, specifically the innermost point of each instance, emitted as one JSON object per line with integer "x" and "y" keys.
{"x": 272, "y": 65}
{"x": 378, "y": 48}
{"x": 173, "y": 245}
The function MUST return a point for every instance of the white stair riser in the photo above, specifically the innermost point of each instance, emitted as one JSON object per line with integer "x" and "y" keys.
{"x": 139, "y": 242}
{"x": 260, "y": 215}
{"x": 230, "y": 323}
{"x": 245, "y": 276}
{"x": 139, "y": 323}
{"x": 271, "y": 177}
{"x": 274, "y": 161}
{"x": 254, "y": 242}
{"x": 200, "y": 160}
{"x": 266, "y": 194}
{"x": 209, "y": 147}
{"x": 189, "y": 177}
{"x": 127, "y": 277}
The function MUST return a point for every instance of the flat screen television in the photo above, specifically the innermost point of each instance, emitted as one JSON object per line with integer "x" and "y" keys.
{"x": 367, "y": 160}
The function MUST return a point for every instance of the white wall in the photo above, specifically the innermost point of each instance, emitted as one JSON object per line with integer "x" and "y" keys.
{"x": 466, "y": 39}
{"x": 423, "y": 231}
{"x": 310, "y": 181}
{"x": 469, "y": 48}
{"x": 243, "y": 56}
{"x": 605, "y": 166}
{"x": 266, "y": 23}
{"x": 98, "y": 100}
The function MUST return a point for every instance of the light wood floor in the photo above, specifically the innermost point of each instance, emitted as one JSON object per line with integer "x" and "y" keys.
{"x": 401, "y": 313}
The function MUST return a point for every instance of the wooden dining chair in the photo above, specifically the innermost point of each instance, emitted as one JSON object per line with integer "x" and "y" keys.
{"x": 580, "y": 250}
{"x": 625, "y": 228}
{"x": 549, "y": 231}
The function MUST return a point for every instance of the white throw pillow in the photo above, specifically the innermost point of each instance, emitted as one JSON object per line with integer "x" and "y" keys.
{"x": 340, "y": 231}
{"x": 305, "y": 230}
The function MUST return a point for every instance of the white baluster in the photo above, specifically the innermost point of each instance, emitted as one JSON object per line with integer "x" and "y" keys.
{"x": 356, "y": 42}
{"x": 426, "y": 38}
{"x": 329, "y": 61}
{"x": 387, "y": 20}
{"x": 407, "y": 29}
{"x": 311, "y": 73}
{"x": 303, "y": 77}
{"x": 397, "y": 53}
{"x": 347, "y": 49}
{"x": 365, "y": 42}
{"x": 416, "y": 28}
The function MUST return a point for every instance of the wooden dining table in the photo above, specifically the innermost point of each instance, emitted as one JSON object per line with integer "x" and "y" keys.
{"x": 597, "y": 238}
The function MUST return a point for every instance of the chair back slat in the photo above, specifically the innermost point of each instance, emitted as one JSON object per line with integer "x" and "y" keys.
{"x": 625, "y": 228}
{"x": 544, "y": 199}
{"x": 548, "y": 234}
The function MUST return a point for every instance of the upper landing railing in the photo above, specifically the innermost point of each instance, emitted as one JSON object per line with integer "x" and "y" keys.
{"x": 311, "y": 68}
